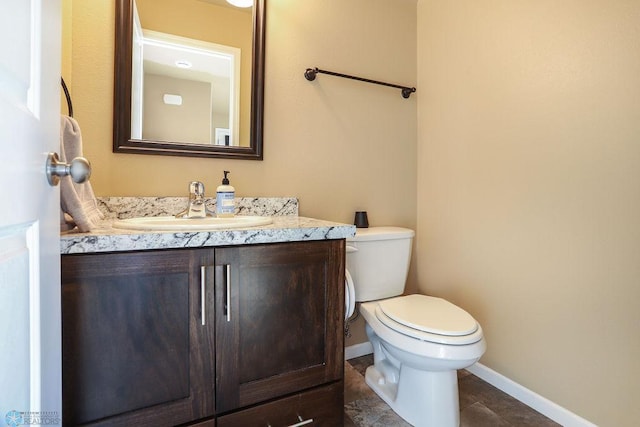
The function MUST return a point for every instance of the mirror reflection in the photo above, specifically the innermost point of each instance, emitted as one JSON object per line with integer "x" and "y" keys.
{"x": 184, "y": 90}
{"x": 189, "y": 78}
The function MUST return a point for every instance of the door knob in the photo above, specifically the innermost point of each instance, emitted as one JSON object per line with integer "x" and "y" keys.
{"x": 79, "y": 169}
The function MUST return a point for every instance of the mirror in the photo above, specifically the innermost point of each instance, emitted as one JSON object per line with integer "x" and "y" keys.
{"x": 184, "y": 86}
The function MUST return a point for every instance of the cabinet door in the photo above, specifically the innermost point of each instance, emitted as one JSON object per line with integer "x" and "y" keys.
{"x": 135, "y": 350}
{"x": 279, "y": 320}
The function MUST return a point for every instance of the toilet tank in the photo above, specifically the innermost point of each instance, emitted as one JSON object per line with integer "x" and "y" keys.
{"x": 378, "y": 261}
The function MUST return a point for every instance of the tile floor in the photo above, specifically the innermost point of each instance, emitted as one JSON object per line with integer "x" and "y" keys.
{"x": 481, "y": 404}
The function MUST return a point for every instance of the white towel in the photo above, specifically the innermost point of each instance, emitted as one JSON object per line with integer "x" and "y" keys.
{"x": 76, "y": 200}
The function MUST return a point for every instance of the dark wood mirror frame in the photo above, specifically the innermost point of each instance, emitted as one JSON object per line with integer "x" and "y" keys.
{"x": 122, "y": 142}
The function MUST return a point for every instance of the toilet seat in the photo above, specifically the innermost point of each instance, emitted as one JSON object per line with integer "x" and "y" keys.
{"x": 429, "y": 319}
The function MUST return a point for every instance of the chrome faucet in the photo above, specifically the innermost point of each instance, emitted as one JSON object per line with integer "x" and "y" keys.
{"x": 197, "y": 207}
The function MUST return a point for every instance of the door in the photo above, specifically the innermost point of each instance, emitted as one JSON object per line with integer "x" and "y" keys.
{"x": 30, "y": 359}
{"x": 137, "y": 338}
{"x": 279, "y": 320}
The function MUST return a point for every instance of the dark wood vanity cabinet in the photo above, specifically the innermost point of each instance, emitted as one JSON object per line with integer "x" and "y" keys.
{"x": 230, "y": 336}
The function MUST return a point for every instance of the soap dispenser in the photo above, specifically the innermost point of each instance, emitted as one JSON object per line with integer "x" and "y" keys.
{"x": 225, "y": 199}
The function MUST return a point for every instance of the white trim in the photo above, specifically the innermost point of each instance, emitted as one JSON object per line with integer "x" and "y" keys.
{"x": 530, "y": 398}
{"x": 541, "y": 404}
{"x": 358, "y": 350}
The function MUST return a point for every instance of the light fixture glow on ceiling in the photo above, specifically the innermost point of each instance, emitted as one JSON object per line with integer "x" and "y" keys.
{"x": 241, "y": 3}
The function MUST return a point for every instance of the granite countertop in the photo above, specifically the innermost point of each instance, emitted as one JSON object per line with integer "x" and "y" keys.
{"x": 286, "y": 227}
{"x": 283, "y": 229}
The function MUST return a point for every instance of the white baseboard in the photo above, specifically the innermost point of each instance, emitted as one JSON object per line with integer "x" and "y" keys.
{"x": 358, "y": 350}
{"x": 541, "y": 404}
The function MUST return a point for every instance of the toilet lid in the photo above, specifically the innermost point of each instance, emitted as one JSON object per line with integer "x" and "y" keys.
{"x": 428, "y": 314}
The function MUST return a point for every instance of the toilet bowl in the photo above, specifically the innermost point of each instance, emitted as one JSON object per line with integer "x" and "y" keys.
{"x": 415, "y": 376}
{"x": 419, "y": 342}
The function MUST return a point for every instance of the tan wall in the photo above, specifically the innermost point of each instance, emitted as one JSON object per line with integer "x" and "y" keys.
{"x": 529, "y": 190}
{"x": 188, "y": 122}
{"x": 338, "y": 145}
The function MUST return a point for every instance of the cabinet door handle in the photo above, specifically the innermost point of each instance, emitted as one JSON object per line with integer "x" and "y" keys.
{"x": 302, "y": 422}
{"x": 203, "y": 295}
{"x": 227, "y": 303}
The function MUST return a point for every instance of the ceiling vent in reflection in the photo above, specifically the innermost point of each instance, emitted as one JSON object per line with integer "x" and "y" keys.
{"x": 183, "y": 63}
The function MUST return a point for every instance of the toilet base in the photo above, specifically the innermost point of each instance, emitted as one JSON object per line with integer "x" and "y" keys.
{"x": 422, "y": 398}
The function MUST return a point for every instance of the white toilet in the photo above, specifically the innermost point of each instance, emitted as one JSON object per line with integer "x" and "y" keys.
{"x": 418, "y": 341}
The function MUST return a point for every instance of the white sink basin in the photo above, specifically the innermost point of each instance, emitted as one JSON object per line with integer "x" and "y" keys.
{"x": 171, "y": 223}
